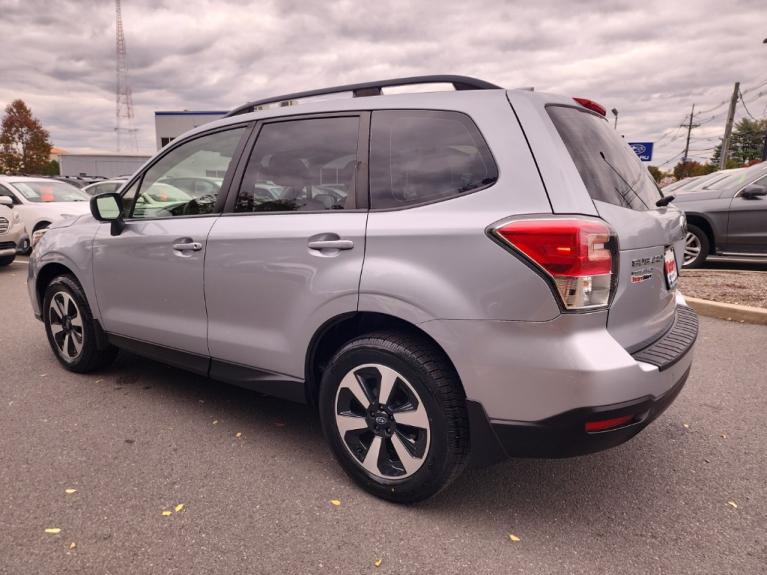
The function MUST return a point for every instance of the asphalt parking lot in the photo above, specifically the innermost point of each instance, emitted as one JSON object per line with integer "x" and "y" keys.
{"x": 688, "y": 495}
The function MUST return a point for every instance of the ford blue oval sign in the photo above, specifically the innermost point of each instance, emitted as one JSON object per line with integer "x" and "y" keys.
{"x": 643, "y": 150}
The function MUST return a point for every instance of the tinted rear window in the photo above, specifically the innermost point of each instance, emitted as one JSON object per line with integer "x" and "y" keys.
{"x": 609, "y": 168}
{"x": 419, "y": 156}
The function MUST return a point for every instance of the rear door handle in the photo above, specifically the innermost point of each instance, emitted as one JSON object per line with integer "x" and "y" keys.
{"x": 331, "y": 245}
{"x": 188, "y": 247}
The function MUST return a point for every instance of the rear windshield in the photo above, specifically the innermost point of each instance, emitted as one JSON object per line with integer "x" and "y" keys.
{"x": 609, "y": 168}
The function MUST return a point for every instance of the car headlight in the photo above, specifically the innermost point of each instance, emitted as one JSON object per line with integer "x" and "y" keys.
{"x": 37, "y": 235}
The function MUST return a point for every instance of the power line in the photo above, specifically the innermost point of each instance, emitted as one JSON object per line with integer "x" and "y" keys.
{"x": 742, "y": 101}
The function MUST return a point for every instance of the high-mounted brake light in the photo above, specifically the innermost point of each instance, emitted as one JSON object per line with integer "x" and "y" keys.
{"x": 577, "y": 254}
{"x": 592, "y": 105}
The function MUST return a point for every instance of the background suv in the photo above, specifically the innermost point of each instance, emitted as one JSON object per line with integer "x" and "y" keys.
{"x": 449, "y": 277}
{"x": 726, "y": 215}
{"x": 42, "y": 201}
{"x": 11, "y": 231}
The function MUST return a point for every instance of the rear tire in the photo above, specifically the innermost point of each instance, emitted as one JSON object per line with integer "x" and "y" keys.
{"x": 696, "y": 247}
{"x": 71, "y": 328}
{"x": 409, "y": 442}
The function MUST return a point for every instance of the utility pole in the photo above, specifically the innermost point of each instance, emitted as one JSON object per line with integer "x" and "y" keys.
{"x": 728, "y": 127}
{"x": 689, "y": 126}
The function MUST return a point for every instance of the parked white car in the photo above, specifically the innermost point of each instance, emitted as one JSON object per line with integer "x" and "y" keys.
{"x": 11, "y": 232}
{"x": 40, "y": 201}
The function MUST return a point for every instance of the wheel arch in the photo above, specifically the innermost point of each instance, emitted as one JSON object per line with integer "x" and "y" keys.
{"x": 337, "y": 331}
{"x": 46, "y": 274}
{"x": 702, "y": 222}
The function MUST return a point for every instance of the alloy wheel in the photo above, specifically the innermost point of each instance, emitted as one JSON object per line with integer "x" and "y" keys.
{"x": 66, "y": 324}
{"x": 692, "y": 247}
{"x": 382, "y": 421}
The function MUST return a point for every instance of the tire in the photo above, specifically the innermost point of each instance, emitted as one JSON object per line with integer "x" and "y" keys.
{"x": 7, "y": 260}
{"x": 696, "y": 247}
{"x": 70, "y": 326}
{"x": 417, "y": 460}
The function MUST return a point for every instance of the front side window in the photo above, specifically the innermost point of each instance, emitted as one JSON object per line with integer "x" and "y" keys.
{"x": 419, "y": 156}
{"x": 306, "y": 165}
{"x": 178, "y": 184}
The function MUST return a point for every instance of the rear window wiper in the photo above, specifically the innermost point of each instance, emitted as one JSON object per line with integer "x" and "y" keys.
{"x": 623, "y": 180}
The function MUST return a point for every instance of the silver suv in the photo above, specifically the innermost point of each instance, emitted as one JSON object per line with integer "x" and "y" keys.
{"x": 449, "y": 277}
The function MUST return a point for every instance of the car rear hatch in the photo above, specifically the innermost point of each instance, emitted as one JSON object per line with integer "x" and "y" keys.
{"x": 650, "y": 239}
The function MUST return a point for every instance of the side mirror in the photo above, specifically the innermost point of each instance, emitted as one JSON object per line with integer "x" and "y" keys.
{"x": 753, "y": 191}
{"x": 6, "y": 201}
{"x": 109, "y": 208}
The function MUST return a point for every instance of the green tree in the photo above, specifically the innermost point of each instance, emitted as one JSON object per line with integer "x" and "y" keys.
{"x": 746, "y": 143}
{"x": 656, "y": 173}
{"x": 24, "y": 144}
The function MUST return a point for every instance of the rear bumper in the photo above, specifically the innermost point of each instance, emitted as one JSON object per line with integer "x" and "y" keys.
{"x": 563, "y": 435}
{"x": 532, "y": 387}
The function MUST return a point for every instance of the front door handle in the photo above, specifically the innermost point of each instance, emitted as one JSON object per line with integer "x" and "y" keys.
{"x": 331, "y": 245}
{"x": 188, "y": 247}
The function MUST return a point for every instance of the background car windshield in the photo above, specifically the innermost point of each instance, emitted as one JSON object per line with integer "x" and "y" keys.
{"x": 51, "y": 191}
{"x": 739, "y": 179}
{"x": 609, "y": 168}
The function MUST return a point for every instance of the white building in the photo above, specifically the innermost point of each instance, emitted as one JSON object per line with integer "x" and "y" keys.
{"x": 105, "y": 165}
{"x": 171, "y": 124}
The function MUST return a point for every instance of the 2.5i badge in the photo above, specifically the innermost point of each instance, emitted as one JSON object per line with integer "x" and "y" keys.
{"x": 669, "y": 264}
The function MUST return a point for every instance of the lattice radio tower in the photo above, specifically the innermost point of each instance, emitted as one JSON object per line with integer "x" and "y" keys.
{"x": 126, "y": 133}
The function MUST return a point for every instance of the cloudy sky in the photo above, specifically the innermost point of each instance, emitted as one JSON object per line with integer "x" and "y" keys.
{"x": 649, "y": 59}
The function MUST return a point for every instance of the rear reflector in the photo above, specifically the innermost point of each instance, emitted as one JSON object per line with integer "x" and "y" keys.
{"x": 605, "y": 424}
{"x": 575, "y": 253}
{"x": 592, "y": 105}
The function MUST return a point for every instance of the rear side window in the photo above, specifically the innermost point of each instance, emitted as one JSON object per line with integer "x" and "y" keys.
{"x": 610, "y": 170}
{"x": 419, "y": 156}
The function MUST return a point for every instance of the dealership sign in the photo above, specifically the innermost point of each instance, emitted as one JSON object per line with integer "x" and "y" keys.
{"x": 643, "y": 150}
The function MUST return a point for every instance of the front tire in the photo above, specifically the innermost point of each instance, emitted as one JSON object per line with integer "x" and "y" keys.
{"x": 696, "y": 247}
{"x": 394, "y": 414}
{"x": 71, "y": 328}
{"x": 7, "y": 260}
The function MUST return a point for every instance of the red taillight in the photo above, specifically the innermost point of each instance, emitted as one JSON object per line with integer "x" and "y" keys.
{"x": 592, "y": 105}
{"x": 605, "y": 424}
{"x": 576, "y": 253}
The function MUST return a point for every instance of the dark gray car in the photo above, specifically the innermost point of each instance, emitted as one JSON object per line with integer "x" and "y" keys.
{"x": 726, "y": 216}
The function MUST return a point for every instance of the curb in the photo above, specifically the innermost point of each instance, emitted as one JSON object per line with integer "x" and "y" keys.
{"x": 728, "y": 311}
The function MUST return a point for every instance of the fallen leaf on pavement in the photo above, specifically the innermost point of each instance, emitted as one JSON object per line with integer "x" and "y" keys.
{"x": 167, "y": 513}
{"x": 686, "y": 425}
{"x": 70, "y": 491}
{"x": 73, "y": 545}
{"x": 377, "y": 562}
{"x": 238, "y": 434}
{"x": 514, "y": 538}
{"x": 732, "y": 504}
{"x": 178, "y": 507}
{"x": 215, "y": 422}
{"x": 335, "y": 502}
{"x": 43, "y": 374}
{"x": 724, "y": 436}
{"x": 53, "y": 530}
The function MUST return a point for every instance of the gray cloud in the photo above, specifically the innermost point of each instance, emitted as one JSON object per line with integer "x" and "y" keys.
{"x": 650, "y": 60}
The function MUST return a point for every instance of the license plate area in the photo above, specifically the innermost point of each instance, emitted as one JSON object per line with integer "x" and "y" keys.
{"x": 670, "y": 268}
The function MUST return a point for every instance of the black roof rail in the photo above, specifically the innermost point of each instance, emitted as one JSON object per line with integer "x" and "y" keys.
{"x": 371, "y": 89}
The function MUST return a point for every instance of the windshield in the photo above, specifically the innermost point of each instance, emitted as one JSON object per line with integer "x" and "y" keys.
{"x": 609, "y": 168}
{"x": 50, "y": 191}
{"x": 738, "y": 178}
